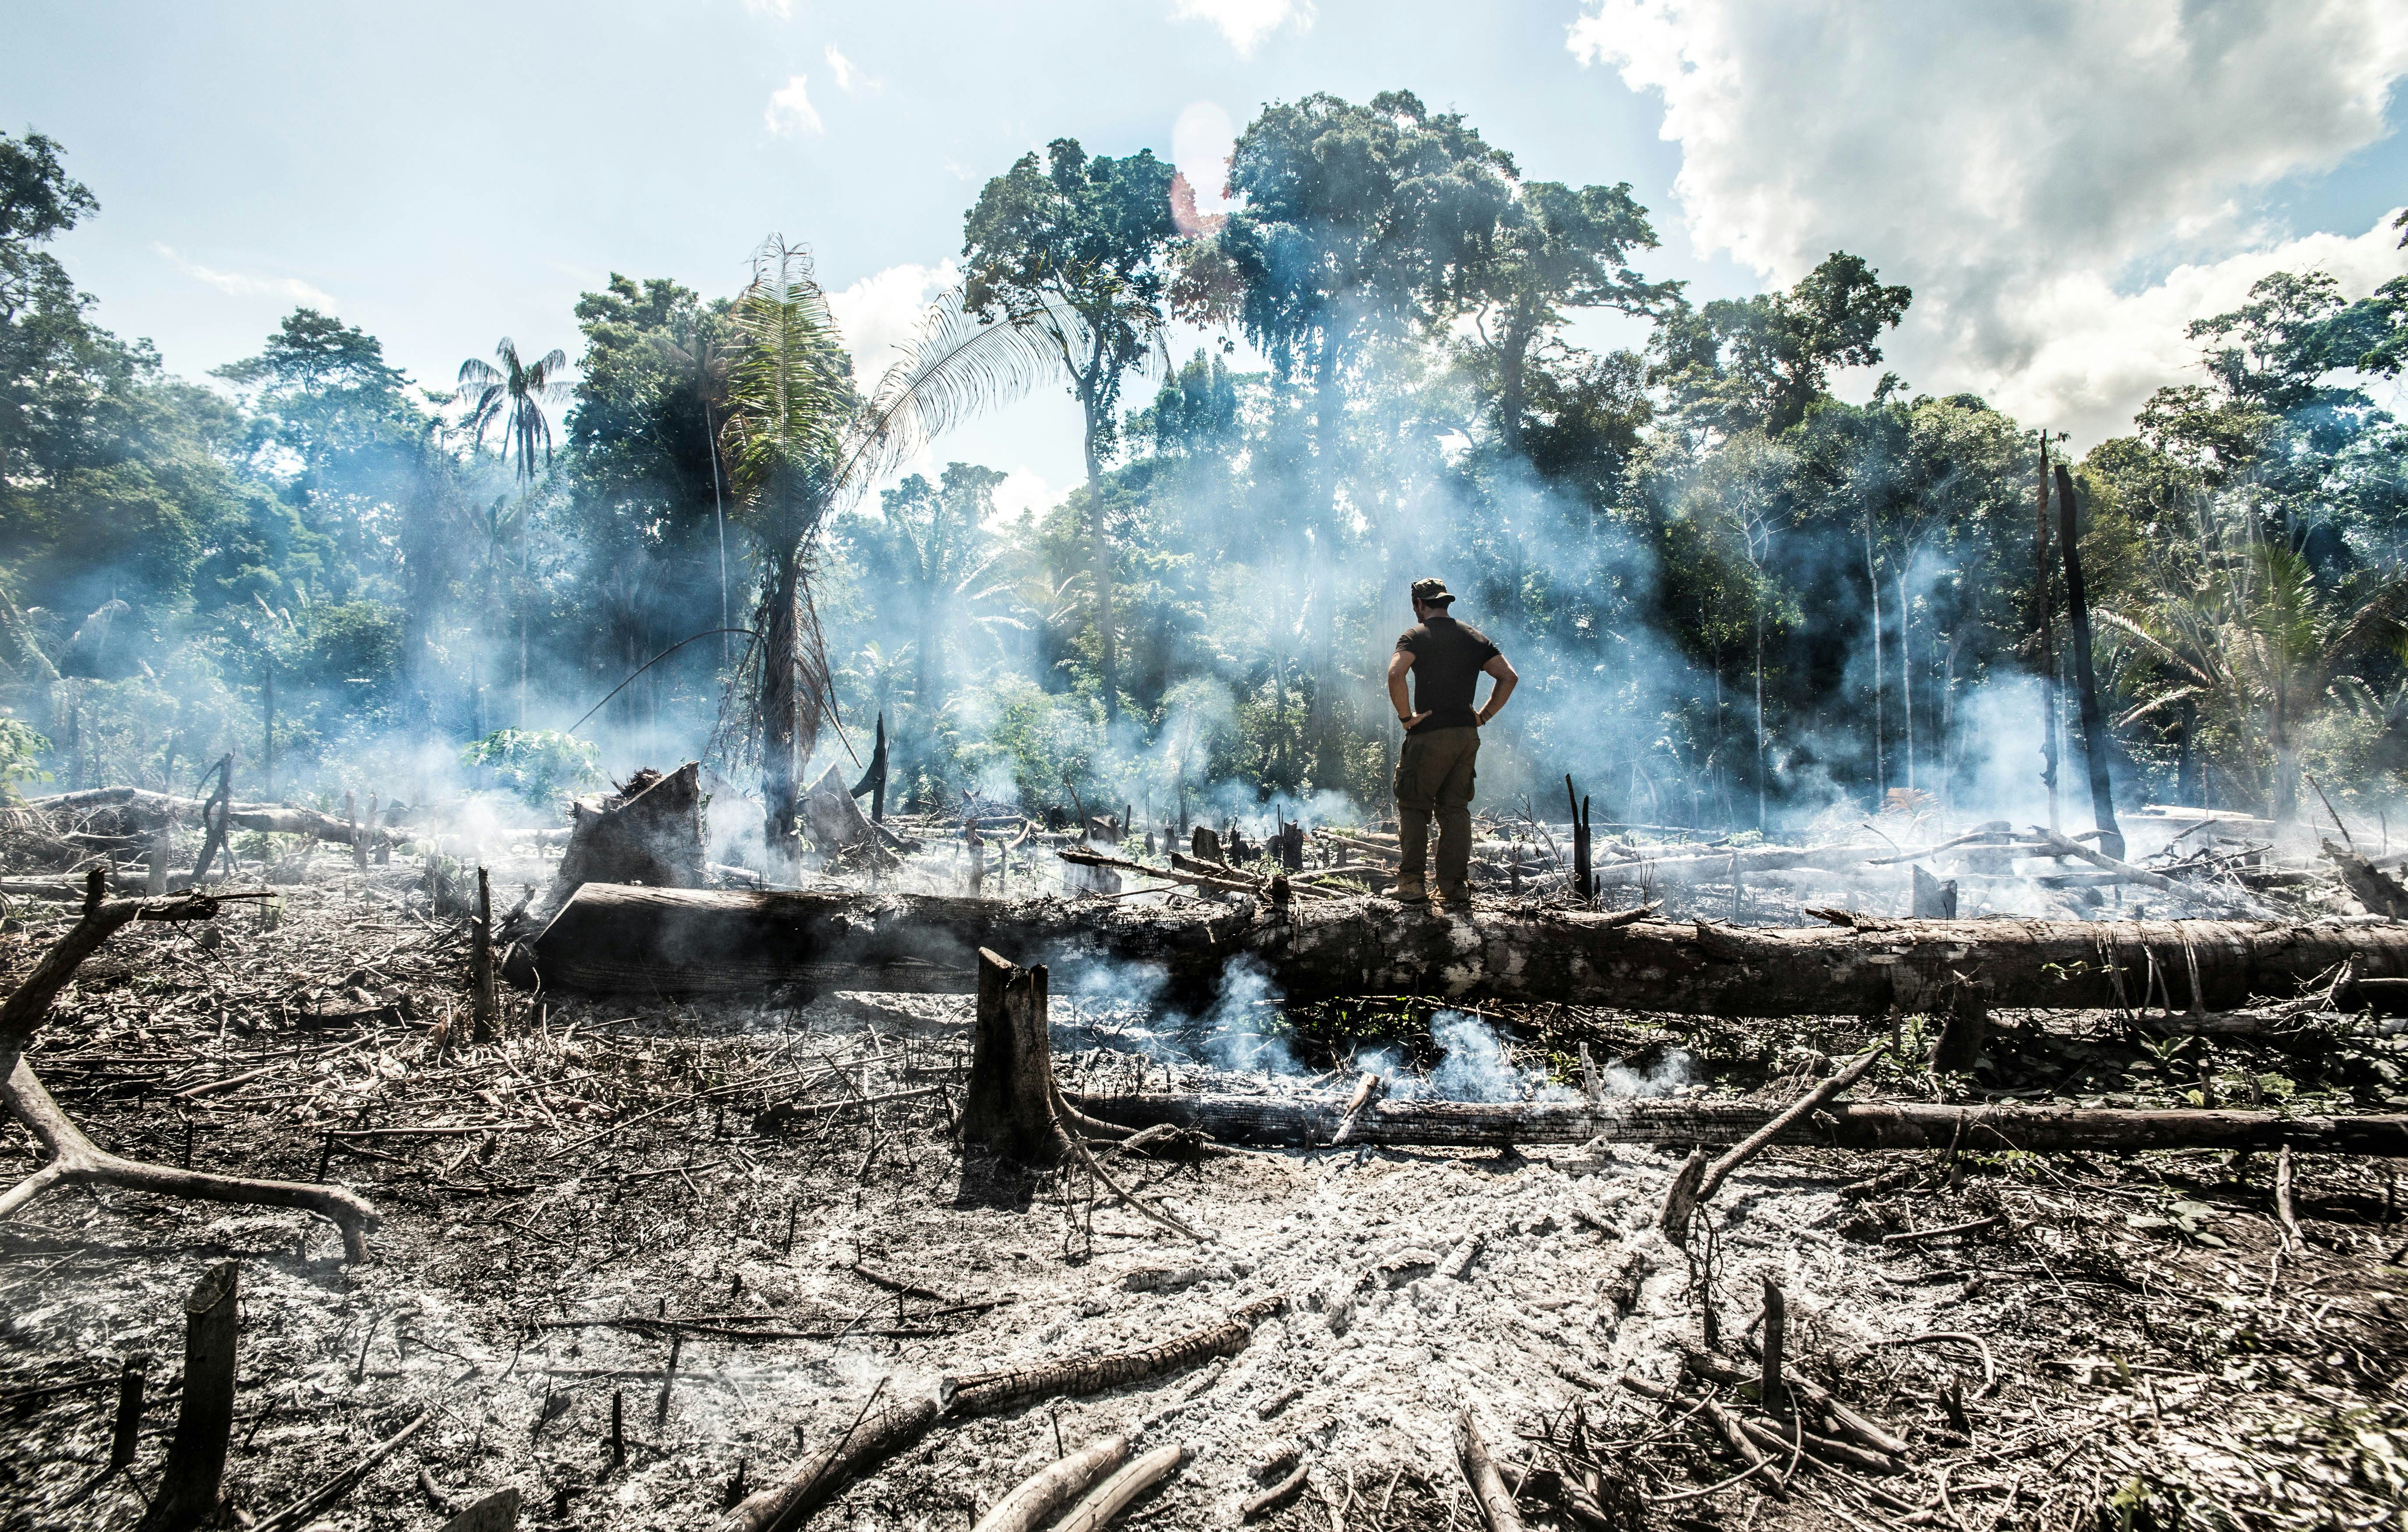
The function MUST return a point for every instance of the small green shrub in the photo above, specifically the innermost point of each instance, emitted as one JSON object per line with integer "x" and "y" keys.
{"x": 541, "y": 766}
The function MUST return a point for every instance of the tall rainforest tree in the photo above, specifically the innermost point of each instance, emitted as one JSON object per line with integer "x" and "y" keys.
{"x": 1072, "y": 251}
{"x": 1357, "y": 223}
{"x": 1763, "y": 361}
{"x": 1555, "y": 247}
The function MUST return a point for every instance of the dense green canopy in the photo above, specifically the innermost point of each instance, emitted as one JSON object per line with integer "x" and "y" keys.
{"x": 1736, "y": 600}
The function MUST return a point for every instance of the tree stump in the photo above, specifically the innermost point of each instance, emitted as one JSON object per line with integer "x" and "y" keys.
{"x": 1009, "y": 1106}
{"x": 836, "y": 825}
{"x": 1962, "y": 1031}
{"x": 188, "y": 1490}
{"x": 1934, "y": 900}
{"x": 649, "y": 832}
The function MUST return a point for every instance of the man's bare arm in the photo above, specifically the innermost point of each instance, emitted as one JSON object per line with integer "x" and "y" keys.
{"x": 1500, "y": 670}
{"x": 1399, "y": 663}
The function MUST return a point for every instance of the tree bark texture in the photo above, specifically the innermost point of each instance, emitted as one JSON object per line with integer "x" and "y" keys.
{"x": 883, "y": 1432}
{"x": 982, "y": 1393}
{"x": 1299, "y": 1122}
{"x": 610, "y": 939}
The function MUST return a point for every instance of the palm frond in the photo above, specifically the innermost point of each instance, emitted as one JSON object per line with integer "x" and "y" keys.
{"x": 788, "y": 394}
{"x": 958, "y": 365}
{"x": 2152, "y": 643}
{"x": 2157, "y": 704}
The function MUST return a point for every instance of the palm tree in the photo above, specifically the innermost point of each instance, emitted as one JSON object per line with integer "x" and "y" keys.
{"x": 801, "y": 446}
{"x": 511, "y": 396}
{"x": 2256, "y": 648}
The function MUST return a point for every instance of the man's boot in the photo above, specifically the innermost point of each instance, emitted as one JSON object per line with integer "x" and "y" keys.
{"x": 1410, "y": 891}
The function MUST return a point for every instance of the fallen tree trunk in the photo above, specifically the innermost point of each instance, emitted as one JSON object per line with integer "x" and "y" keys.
{"x": 1291, "y": 1121}
{"x": 612, "y": 939}
{"x": 142, "y": 809}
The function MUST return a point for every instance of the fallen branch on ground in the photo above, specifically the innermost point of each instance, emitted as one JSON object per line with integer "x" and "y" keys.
{"x": 75, "y": 1159}
{"x": 877, "y": 1435}
{"x": 1043, "y": 1493}
{"x": 981, "y": 1393}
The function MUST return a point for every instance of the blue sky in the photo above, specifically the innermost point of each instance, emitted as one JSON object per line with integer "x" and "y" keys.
{"x": 2062, "y": 183}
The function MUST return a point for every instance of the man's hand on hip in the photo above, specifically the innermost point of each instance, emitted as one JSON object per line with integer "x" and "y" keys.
{"x": 1412, "y": 721}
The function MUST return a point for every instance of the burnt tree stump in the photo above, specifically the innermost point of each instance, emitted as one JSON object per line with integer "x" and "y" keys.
{"x": 1009, "y": 1106}
{"x": 188, "y": 1489}
{"x": 1934, "y": 899}
{"x": 649, "y": 832}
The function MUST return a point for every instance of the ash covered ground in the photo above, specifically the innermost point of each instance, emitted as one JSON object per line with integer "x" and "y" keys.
{"x": 584, "y": 1212}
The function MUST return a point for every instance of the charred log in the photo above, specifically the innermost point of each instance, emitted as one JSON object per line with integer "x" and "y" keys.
{"x": 1876, "y": 1124}
{"x": 611, "y": 938}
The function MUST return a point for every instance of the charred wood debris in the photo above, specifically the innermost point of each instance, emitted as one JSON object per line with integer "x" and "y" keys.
{"x": 330, "y": 1203}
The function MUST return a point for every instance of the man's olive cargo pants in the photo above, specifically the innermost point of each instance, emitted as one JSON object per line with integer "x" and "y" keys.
{"x": 1434, "y": 774}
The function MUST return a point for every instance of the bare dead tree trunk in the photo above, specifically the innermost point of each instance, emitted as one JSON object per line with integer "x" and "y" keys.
{"x": 2044, "y": 623}
{"x": 485, "y": 1003}
{"x": 2095, "y": 739}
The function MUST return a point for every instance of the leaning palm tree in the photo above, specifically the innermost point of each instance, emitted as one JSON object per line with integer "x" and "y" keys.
{"x": 802, "y": 445}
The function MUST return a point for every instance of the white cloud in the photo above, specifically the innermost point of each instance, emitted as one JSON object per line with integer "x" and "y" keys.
{"x": 848, "y": 74}
{"x": 1200, "y": 144}
{"x": 2060, "y": 182}
{"x": 242, "y": 285}
{"x": 781, "y": 9}
{"x": 880, "y": 313}
{"x": 1023, "y": 489}
{"x": 1245, "y": 23}
{"x": 790, "y": 109}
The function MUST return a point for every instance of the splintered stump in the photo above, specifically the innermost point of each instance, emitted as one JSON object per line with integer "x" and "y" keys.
{"x": 74, "y": 1157}
{"x": 610, "y": 939}
{"x": 1008, "y": 1108}
{"x": 649, "y": 832}
{"x": 837, "y": 825}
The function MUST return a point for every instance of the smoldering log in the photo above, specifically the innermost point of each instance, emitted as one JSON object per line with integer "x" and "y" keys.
{"x": 1294, "y": 1121}
{"x": 610, "y": 939}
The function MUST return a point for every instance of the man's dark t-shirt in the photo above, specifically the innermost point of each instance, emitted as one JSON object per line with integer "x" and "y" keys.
{"x": 1447, "y": 658}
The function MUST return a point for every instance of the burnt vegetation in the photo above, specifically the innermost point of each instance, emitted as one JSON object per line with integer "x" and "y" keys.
{"x": 676, "y": 973}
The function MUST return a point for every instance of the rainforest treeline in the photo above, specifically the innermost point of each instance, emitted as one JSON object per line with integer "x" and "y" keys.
{"x": 1736, "y": 601}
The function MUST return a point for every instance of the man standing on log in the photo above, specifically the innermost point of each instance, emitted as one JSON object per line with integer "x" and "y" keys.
{"x": 1434, "y": 771}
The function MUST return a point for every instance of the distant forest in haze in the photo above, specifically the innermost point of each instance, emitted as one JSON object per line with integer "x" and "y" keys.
{"x": 1736, "y": 601}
